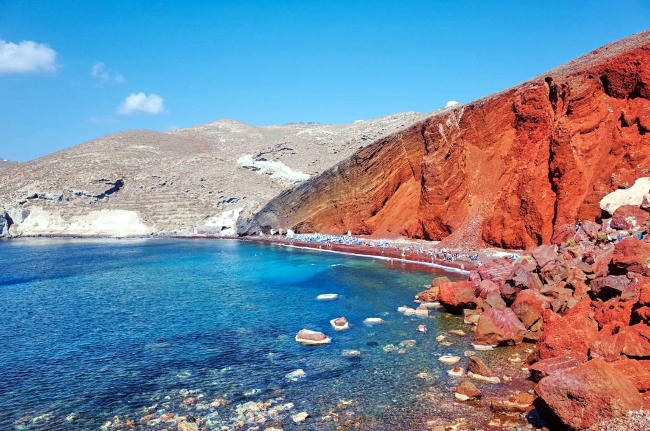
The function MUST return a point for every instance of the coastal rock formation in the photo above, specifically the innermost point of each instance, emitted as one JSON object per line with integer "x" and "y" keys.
{"x": 195, "y": 180}
{"x": 581, "y": 396}
{"x": 513, "y": 170}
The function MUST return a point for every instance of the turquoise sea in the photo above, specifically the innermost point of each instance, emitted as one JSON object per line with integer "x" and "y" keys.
{"x": 99, "y": 333}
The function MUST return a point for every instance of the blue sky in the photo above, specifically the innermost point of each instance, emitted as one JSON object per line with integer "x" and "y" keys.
{"x": 271, "y": 62}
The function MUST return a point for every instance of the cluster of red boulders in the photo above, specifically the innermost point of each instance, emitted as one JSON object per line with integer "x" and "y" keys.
{"x": 586, "y": 303}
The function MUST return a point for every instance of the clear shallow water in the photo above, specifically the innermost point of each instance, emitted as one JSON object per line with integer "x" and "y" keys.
{"x": 93, "y": 329}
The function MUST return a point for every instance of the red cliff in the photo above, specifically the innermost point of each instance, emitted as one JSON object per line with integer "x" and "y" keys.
{"x": 510, "y": 170}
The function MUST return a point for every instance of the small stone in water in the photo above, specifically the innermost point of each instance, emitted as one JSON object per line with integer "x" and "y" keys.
{"x": 458, "y": 332}
{"x": 449, "y": 359}
{"x": 445, "y": 343}
{"x": 440, "y": 337}
{"x": 299, "y": 417}
{"x": 373, "y": 321}
{"x": 423, "y": 375}
{"x": 469, "y": 353}
{"x": 422, "y": 328}
{"x": 295, "y": 375}
{"x": 407, "y": 343}
{"x": 456, "y": 372}
{"x": 349, "y": 353}
{"x": 72, "y": 417}
{"x": 389, "y": 348}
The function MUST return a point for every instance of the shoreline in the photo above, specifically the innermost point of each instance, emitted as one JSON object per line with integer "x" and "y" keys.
{"x": 405, "y": 251}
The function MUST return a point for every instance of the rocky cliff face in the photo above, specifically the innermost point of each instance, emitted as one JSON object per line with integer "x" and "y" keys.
{"x": 510, "y": 170}
{"x": 196, "y": 179}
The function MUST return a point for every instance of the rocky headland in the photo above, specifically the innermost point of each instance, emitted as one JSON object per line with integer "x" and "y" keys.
{"x": 513, "y": 170}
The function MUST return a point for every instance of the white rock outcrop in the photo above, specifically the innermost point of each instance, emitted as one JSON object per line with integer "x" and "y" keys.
{"x": 630, "y": 196}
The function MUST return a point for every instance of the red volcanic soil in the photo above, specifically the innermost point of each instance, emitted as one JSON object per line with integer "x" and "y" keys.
{"x": 510, "y": 170}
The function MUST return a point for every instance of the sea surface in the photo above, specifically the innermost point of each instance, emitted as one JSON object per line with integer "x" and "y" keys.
{"x": 98, "y": 334}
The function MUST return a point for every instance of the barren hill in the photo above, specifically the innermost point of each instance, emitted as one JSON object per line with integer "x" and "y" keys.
{"x": 4, "y": 164}
{"x": 200, "y": 178}
{"x": 511, "y": 170}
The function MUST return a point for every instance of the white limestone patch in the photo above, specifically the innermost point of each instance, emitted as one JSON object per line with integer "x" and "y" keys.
{"x": 225, "y": 223}
{"x": 630, "y": 196}
{"x": 95, "y": 223}
{"x": 277, "y": 170}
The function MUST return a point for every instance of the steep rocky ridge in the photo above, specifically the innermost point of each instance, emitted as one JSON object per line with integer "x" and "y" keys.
{"x": 196, "y": 179}
{"x": 512, "y": 170}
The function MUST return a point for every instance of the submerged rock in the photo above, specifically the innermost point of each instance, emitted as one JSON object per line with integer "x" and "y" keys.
{"x": 373, "y": 321}
{"x": 299, "y": 417}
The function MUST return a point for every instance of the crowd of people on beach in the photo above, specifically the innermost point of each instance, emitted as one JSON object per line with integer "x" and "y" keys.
{"x": 405, "y": 250}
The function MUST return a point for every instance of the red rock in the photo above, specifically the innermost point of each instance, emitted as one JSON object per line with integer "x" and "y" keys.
{"x": 607, "y": 347}
{"x": 494, "y": 300}
{"x": 609, "y": 286}
{"x": 632, "y": 341}
{"x": 643, "y": 286}
{"x": 601, "y": 260}
{"x": 637, "y": 371}
{"x": 507, "y": 170}
{"x": 487, "y": 286}
{"x": 584, "y": 395}
{"x": 529, "y": 306}
{"x": 524, "y": 278}
{"x": 309, "y": 337}
{"x": 613, "y": 313}
{"x": 628, "y": 217}
{"x": 468, "y": 389}
{"x": 554, "y": 272}
{"x": 544, "y": 254}
{"x": 631, "y": 255}
{"x": 514, "y": 403}
{"x": 499, "y": 326}
{"x": 548, "y": 367}
{"x": 637, "y": 341}
{"x": 641, "y": 315}
{"x": 429, "y": 295}
{"x": 457, "y": 295}
{"x": 571, "y": 335}
{"x": 496, "y": 270}
{"x": 477, "y": 366}
{"x": 436, "y": 282}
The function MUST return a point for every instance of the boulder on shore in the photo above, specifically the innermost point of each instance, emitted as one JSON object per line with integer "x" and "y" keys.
{"x": 456, "y": 295}
{"x": 499, "y": 326}
{"x": 529, "y": 306}
{"x": 584, "y": 395}
{"x": 550, "y": 366}
{"x": 570, "y": 335}
{"x": 631, "y": 255}
{"x": 466, "y": 390}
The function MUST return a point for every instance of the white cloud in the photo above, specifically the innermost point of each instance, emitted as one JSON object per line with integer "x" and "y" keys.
{"x": 100, "y": 72}
{"x": 141, "y": 103}
{"x": 26, "y": 56}
{"x": 451, "y": 103}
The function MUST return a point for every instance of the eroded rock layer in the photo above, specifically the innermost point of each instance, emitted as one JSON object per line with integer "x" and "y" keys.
{"x": 510, "y": 170}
